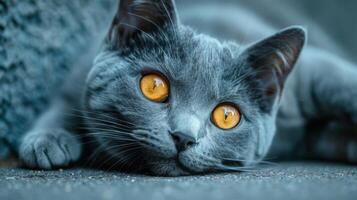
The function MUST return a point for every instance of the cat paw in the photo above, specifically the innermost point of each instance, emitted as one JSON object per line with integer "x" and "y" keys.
{"x": 49, "y": 149}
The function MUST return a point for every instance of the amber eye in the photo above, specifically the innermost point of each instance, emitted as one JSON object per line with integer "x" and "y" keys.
{"x": 226, "y": 116}
{"x": 154, "y": 87}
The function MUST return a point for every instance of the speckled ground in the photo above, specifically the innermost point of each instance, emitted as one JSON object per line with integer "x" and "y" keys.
{"x": 284, "y": 181}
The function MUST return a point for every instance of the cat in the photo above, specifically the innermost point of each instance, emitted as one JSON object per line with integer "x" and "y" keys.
{"x": 164, "y": 99}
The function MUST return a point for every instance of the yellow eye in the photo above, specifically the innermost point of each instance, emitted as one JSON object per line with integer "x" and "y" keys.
{"x": 154, "y": 87}
{"x": 225, "y": 116}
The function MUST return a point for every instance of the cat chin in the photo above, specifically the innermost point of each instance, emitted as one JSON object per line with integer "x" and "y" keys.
{"x": 168, "y": 168}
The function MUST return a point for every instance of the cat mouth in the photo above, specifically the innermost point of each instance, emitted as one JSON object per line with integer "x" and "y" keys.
{"x": 182, "y": 166}
{"x": 171, "y": 167}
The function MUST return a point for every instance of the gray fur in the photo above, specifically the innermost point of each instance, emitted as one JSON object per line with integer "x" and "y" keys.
{"x": 135, "y": 133}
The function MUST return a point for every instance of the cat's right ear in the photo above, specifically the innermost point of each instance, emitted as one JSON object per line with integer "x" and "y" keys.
{"x": 135, "y": 18}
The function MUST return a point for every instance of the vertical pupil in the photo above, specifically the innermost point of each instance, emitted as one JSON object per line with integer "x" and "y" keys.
{"x": 227, "y": 111}
{"x": 226, "y": 114}
{"x": 154, "y": 85}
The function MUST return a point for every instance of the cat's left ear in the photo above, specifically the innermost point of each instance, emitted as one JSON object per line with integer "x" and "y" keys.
{"x": 275, "y": 56}
{"x": 138, "y": 17}
{"x": 272, "y": 60}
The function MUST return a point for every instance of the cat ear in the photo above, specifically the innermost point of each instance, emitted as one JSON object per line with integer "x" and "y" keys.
{"x": 273, "y": 58}
{"x": 137, "y": 17}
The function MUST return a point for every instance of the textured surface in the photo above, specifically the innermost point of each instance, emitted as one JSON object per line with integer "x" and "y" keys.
{"x": 40, "y": 41}
{"x": 284, "y": 181}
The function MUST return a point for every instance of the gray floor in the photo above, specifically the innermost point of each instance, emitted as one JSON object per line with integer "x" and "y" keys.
{"x": 284, "y": 181}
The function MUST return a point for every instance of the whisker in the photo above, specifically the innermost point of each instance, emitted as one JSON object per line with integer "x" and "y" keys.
{"x": 97, "y": 119}
{"x": 170, "y": 18}
{"x": 250, "y": 161}
{"x": 104, "y": 126}
{"x": 112, "y": 131}
{"x": 148, "y": 35}
{"x": 153, "y": 23}
{"x": 104, "y": 115}
{"x": 238, "y": 169}
{"x": 120, "y": 158}
{"x": 111, "y": 137}
{"x": 131, "y": 153}
{"x": 110, "y": 156}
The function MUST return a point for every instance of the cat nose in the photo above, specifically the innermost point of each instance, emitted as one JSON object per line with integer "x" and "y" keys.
{"x": 183, "y": 141}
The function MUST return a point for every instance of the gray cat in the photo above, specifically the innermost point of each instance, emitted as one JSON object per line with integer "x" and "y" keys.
{"x": 164, "y": 99}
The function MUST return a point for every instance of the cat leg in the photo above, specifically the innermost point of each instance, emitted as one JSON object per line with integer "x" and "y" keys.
{"x": 49, "y": 145}
{"x": 328, "y": 87}
{"x": 333, "y": 142}
{"x": 328, "y": 92}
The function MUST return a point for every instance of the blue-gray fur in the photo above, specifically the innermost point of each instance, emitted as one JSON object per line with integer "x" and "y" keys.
{"x": 197, "y": 87}
{"x": 202, "y": 73}
{"x": 135, "y": 133}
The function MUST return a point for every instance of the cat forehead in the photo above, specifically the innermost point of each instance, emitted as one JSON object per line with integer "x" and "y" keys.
{"x": 202, "y": 67}
{"x": 201, "y": 56}
{"x": 198, "y": 61}
{"x": 206, "y": 49}
{"x": 208, "y": 60}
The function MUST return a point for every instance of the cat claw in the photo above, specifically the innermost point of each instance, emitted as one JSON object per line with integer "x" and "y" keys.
{"x": 49, "y": 149}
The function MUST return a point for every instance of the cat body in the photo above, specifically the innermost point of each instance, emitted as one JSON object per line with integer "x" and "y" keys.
{"x": 103, "y": 108}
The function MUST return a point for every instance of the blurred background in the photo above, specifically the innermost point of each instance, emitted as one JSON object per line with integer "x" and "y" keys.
{"x": 42, "y": 40}
{"x": 338, "y": 19}
{"x": 331, "y": 23}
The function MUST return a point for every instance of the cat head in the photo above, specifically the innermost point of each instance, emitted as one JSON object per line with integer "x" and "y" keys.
{"x": 163, "y": 98}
